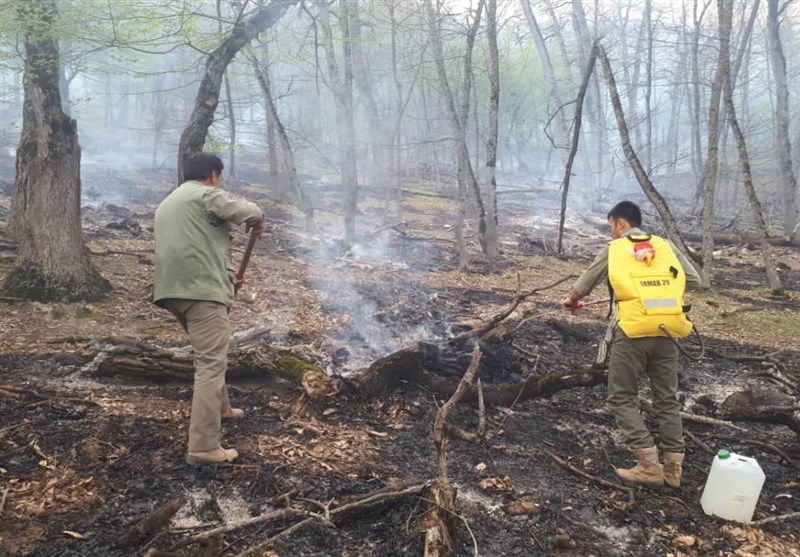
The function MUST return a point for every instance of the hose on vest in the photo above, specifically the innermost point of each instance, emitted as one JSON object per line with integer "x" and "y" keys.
{"x": 678, "y": 344}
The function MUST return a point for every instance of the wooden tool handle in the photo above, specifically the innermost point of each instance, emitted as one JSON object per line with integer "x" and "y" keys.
{"x": 245, "y": 260}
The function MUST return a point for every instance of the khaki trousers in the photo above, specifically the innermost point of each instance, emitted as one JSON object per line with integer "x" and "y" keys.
{"x": 656, "y": 357}
{"x": 210, "y": 332}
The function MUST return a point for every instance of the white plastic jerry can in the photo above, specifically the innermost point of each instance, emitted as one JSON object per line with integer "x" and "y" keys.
{"x": 732, "y": 488}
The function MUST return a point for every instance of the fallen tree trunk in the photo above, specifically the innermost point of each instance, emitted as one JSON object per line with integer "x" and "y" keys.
{"x": 249, "y": 356}
{"x": 413, "y": 365}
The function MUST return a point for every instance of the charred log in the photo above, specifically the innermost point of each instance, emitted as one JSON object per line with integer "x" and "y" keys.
{"x": 757, "y": 404}
{"x": 248, "y": 357}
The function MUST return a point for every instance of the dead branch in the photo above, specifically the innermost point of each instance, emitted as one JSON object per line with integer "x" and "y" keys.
{"x": 14, "y": 392}
{"x": 647, "y": 406}
{"x": 740, "y": 359}
{"x": 441, "y": 496}
{"x": 779, "y": 518}
{"x": 334, "y": 513}
{"x": 700, "y": 443}
{"x": 151, "y": 523}
{"x": 494, "y": 321}
{"x": 281, "y": 514}
{"x": 768, "y": 447}
{"x": 567, "y": 466}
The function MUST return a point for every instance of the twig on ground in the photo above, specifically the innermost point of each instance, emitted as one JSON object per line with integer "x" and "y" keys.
{"x": 740, "y": 359}
{"x": 698, "y": 442}
{"x": 567, "y": 466}
{"x": 3, "y": 500}
{"x": 647, "y": 406}
{"x": 14, "y": 392}
{"x": 333, "y": 513}
{"x": 779, "y": 518}
{"x": 519, "y": 394}
{"x": 761, "y": 445}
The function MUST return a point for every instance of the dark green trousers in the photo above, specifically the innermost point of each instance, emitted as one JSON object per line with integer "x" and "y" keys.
{"x": 657, "y": 358}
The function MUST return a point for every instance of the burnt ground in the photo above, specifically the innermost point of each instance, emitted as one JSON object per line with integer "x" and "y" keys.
{"x": 84, "y": 458}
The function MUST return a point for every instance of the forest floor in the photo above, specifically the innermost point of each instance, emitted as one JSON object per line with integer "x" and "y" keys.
{"x": 84, "y": 458}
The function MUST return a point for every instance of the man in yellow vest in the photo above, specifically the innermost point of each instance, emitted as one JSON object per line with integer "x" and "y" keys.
{"x": 194, "y": 280}
{"x": 647, "y": 276}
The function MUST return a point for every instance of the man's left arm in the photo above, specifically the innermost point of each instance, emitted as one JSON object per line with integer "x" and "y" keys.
{"x": 232, "y": 208}
{"x": 693, "y": 280}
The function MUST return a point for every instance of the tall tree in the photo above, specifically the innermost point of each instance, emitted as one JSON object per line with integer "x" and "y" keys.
{"x": 647, "y": 186}
{"x": 52, "y": 261}
{"x": 778, "y": 59}
{"x": 301, "y": 199}
{"x": 712, "y": 158}
{"x": 491, "y": 139}
{"x": 459, "y": 117}
{"x": 725, "y": 9}
{"x": 193, "y": 138}
{"x": 341, "y": 82}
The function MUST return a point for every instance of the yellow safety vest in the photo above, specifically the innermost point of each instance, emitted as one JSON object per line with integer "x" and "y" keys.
{"x": 648, "y": 283}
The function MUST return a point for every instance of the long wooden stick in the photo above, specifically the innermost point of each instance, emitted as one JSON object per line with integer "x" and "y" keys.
{"x": 237, "y": 284}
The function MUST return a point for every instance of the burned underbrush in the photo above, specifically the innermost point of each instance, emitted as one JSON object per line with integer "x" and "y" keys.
{"x": 87, "y": 458}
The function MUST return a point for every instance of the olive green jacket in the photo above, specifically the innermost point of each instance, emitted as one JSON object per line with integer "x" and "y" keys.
{"x": 192, "y": 236}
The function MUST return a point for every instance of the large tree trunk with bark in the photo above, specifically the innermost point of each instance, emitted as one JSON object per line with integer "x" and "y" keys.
{"x": 193, "y": 138}
{"x": 52, "y": 261}
{"x": 782, "y": 119}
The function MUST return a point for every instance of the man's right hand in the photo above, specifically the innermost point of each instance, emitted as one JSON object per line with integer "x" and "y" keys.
{"x": 571, "y": 304}
{"x": 258, "y": 229}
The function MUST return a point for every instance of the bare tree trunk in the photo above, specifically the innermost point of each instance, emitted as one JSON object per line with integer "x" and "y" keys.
{"x": 270, "y": 110}
{"x": 644, "y": 181}
{"x": 193, "y": 138}
{"x": 52, "y": 262}
{"x": 549, "y": 74}
{"x": 782, "y": 118}
{"x": 342, "y": 85}
{"x": 697, "y": 144}
{"x": 595, "y": 104}
{"x": 458, "y": 118}
{"x": 491, "y": 140}
{"x": 301, "y": 199}
{"x": 576, "y": 134}
{"x": 712, "y": 161}
{"x": 232, "y": 128}
{"x": 744, "y": 160}
{"x": 229, "y": 109}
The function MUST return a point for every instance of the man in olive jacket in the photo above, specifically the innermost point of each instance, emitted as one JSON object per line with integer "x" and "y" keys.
{"x": 194, "y": 280}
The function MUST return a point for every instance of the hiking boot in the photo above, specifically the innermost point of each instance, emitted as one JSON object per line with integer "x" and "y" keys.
{"x": 233, "y": 414}
{"x": 647, "y": 471}
{"x": 672, "y": 468}
{"x": 217, "y": 456}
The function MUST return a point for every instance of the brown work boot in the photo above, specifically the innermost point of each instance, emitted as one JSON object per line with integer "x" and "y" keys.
{"x": 217, "y": 456}
{"x": 233, "y": 414}
{"x": 672, "y": 468}
{"x": 647, "y": 470}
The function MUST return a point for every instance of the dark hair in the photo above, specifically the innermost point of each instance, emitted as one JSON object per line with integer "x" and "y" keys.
{"x": 627, "y": 210}
{"x": 200, "y": 166}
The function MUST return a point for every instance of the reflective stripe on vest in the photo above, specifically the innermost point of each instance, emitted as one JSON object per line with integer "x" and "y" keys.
{"x": 648, "y": 290}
